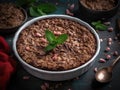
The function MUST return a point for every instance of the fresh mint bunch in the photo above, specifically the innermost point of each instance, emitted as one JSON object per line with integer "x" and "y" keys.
{"x": 42, "y": 9}
{"x": 53, "y": 40}
{"x": 99, "y": 26}
{"x": 36, "y": 11}
{"x": 36, "y": 8}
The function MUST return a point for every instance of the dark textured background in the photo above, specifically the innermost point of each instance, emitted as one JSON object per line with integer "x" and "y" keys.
{"x": 83, "y": 82}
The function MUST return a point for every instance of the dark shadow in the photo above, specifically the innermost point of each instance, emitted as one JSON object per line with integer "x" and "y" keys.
{"x": 84, "y": 17}
{"x": 117, "y": 27}
{"x": 81, "y": 16}
{"x": 97, "y": 85}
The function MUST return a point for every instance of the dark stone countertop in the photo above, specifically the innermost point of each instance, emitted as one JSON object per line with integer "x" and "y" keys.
{"x": 22, "y": 80}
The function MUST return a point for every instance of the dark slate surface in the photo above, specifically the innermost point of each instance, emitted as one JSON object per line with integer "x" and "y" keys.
{"x": 83, "y": 82}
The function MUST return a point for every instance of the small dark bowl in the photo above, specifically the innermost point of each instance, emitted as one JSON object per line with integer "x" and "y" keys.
{"x": 10, "y": 30}
{"x": 92, "y": 15}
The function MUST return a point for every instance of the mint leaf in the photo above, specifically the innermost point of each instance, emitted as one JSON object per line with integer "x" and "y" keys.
{"x": 40, "y": 12}
{"x": 62, "y": 38}
{"x": 41, "y": 9}
{"x": 50, "y": 36}
{"x": 47, "y": 7}
{"x": 36, "y": 8}
{"x": 50, "y": 47}
{"x": 96, "y": 23}
{"x": 54, "y": 41}
{"x": 33, "y": 11}
{"x": 99, "y": 26}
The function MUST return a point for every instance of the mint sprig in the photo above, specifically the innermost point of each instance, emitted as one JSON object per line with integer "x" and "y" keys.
{"x": 42, "y": 9}
{"x": 36, "y": 8}
{"x": 53, "y": 40}
{"x": 47, "y": 7}
{"x": 99, "y": 26}
{"x": 35, "y": 11}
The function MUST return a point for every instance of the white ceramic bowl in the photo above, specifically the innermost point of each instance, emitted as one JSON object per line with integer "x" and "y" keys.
{"x": 56, "y": 75}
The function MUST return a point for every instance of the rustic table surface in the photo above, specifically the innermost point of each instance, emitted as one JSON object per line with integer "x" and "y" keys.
{"x": 22, "y": 80}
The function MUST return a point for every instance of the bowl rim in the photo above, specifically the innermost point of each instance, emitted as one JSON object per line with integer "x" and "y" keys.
{"x": 57, "y": 16}
{"x": 117, "y": 5}
{"x": 22, "y": 10}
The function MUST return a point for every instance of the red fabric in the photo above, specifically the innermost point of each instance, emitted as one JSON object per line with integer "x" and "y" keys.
{"x": 4, "y": 47}
{"x": 7, "y": 64}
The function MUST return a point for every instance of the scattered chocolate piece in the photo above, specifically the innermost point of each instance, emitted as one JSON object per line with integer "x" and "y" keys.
{"x": 43, "y": 87}
{"x": 109, "y": 43}
{"x": 46, "y": 84}
{"x": 109, "y": 39}
{"x": 107, "y": 49}
{"x": 26, "y": 77}
{"x": 102, "y": 60}
{"x": 95, "y": 69}
{"x": 72, "y": 6}
{"x": 68, "y": 12}
{"x": 110, "y": 29}
{"x": 108, "y": 57}
{"x": 115, "y": 53}
{"x": 119, "y": 43}
{"x": 115, "y": 38}
{"x": 107, "y": 23}
{"x": 58, "y": 85}
{"x": 76, "y": 78}
{"x": 101, "y": 40}
{"x": 118, "y": 35}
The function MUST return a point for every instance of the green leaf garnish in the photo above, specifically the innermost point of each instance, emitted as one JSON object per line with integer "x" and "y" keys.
{"x": 99, "y": 26}
{"x": 61, "y": 39}
{"x": 42, "y": 9}
{"x": 53, "y": 40}
{"x": 96, "y": 23}
{"x": 35, "y": 12}
{"x": 47, "y": 7}
{"x": 36, "y": 8}
{"x": 40, "y": 12}
{"x": 50, "y": 47}
{"x": 50, "y": 36}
